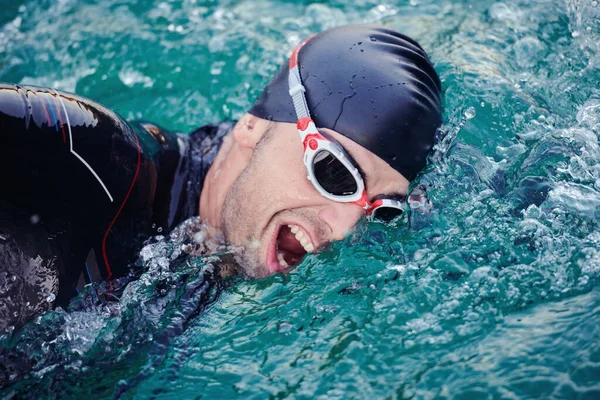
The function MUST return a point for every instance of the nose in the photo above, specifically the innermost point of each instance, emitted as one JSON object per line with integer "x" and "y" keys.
{"x": 341, "y": 218}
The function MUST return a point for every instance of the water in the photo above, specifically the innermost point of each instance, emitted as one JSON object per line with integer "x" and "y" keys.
{"x": 492, "y": 293}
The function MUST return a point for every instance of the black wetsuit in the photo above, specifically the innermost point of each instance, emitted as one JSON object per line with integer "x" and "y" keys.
{"x": 81, "y": 189}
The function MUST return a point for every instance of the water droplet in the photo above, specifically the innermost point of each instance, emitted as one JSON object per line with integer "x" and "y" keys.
{"x": 373, "y": 38}
{"x": 159, "y": 230}
{"x": 359, "y": 43}
{"x": 35, "y": 219}
{"x": 470, "y": 113}
{"x": 199, "y": 237}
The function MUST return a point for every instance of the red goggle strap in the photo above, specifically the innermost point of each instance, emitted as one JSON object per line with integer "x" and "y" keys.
{"x": 294, "y": 57}
{"x": 366, "y": 205}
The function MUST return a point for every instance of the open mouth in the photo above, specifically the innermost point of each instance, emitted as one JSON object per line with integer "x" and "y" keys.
{"x": 291, "y": 244}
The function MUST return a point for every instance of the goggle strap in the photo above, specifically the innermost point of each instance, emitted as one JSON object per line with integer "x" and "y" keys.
{"x": 297, "y": 92}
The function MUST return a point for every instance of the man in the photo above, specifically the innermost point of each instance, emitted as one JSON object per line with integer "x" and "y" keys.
{"x": 82, "y": 189}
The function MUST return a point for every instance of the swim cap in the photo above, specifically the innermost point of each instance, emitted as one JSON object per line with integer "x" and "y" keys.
{"x": 372, "y": 85}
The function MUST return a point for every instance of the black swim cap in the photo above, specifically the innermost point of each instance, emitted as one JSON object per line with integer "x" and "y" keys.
{"x": 372, "y": 85}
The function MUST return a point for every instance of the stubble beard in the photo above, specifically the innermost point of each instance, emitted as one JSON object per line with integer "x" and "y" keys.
{"x": 236, "y": 217}
{"x": 236, "y": 230}
{"x": 237, "y": 224}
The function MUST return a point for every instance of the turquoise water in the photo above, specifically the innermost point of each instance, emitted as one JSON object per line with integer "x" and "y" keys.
{"x": 494, "y": 294}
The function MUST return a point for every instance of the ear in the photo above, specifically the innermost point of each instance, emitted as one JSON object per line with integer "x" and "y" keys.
{"x": 249, "y": 130}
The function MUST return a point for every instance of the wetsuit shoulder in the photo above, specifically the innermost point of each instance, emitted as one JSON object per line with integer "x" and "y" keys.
{"x": 95, "y": 184}
{"x": 203, "y": 145}
{"x": 82, "y": 189}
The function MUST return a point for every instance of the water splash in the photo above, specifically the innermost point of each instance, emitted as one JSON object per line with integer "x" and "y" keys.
{"x": 445, "y": 141}
{"x": 181, "y": 276}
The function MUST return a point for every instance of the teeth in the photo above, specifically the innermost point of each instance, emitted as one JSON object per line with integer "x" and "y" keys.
{"x": 282, "y": 262}
{"x": 302, "y": 238}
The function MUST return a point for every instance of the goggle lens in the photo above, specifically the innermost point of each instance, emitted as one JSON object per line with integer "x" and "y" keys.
{"x": 332, "y": 175}
{"x": 386, "y": 214}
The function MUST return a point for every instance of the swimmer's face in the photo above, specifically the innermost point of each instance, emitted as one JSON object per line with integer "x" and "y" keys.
{"x": 275, "y": 213}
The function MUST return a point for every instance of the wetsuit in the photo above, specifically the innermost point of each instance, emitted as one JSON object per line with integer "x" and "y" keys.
{"x": 81, "y": 189}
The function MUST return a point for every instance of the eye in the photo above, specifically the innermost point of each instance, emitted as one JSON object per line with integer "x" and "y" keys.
{"x": 386, "y": 214}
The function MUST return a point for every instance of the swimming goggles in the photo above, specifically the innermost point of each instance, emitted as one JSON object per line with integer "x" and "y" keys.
{"x": 331, "y": 170}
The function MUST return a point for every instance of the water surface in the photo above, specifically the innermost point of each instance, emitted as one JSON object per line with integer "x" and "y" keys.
{"x": 495, "y": 293}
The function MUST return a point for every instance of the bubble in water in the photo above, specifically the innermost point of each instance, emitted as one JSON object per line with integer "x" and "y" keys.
{"x": 217, "y": 68}
{"x": 528, "y": 51}
{"x": 470, "y": 113}
{"x": 501, "y": 12}
{"x": 50, "y": 298}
